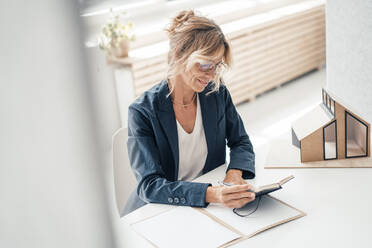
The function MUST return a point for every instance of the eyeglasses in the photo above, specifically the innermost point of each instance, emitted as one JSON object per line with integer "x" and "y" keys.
{"x": 217, "y": 68}
{"x": 248, "y": 209}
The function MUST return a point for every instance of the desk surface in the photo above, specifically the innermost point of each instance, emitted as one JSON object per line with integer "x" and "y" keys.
{"x": 338, "y": 204}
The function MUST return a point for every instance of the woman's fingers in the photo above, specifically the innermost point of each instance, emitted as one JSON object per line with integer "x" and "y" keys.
{"x": 235, "y": 188}
{"x": 238, "y": 199}
{"x": 238, "y": 203}
{"x": 239, "y": 195}
{"x": 235, "y": 196}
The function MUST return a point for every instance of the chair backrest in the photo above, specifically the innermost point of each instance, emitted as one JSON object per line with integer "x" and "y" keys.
{"x": 124, "y": 180}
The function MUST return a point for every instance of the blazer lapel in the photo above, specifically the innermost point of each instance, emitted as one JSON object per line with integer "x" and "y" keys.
{"x": 168, "y": 122}
{"x": 208, "y": 108}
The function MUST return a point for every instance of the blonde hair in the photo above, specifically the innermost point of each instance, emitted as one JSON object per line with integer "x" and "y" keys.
{"x": 192, "y": 39}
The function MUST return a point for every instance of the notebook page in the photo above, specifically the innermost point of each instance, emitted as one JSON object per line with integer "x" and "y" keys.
{"x": 184, "y": 227}
{"x": 269, "y": 212}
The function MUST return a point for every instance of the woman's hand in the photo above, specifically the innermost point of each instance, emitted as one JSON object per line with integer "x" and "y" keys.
{"x": 234, "y": 176}
{"x": 231, "y": 196}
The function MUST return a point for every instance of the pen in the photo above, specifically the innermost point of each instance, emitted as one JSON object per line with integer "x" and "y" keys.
{"x": 231, "y": 184}
{"x": 226, "y": 184}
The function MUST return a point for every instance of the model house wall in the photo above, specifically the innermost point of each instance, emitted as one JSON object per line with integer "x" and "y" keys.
{"x": 331, "y": 131}
{"x": 312, "y": 147}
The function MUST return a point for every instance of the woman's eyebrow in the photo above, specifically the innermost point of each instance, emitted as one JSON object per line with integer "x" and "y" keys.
{"x": 219, "y": 60}
{"x": 215, "y": 61}
{"x": 211, "y": 61}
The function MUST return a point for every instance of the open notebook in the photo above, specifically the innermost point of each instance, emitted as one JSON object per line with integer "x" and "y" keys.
{"x": 270, "y": 213}
{"x": 214, "y": 226}
{"x": 266, "y": 189}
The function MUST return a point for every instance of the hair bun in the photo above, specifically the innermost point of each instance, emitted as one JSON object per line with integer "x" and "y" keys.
{"x": 181, "y": 18}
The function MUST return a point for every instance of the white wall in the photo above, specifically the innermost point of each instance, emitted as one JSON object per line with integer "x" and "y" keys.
{"x": 107, "y": 114}
{"x": 52, "y": 175}
{"x": 349, "y": 53}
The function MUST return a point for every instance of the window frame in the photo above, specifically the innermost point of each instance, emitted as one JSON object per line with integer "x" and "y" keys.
{"x": 334, "y": 107}
{"x": 328, "y": 101}
{"x": 324, "y": 153}
{"x": 357, "y": 119}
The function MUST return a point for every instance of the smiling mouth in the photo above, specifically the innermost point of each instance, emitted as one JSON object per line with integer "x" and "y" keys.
{"x": 203, "y": 82}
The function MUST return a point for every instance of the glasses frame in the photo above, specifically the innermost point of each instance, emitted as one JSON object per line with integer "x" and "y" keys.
{"x": 235, "y": 210}
{"x": 215, "y": 68}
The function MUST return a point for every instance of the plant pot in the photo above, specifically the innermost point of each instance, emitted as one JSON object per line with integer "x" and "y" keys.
{"x": 122, "y": 49}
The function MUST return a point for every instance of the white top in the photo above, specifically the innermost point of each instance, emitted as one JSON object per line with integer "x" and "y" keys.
{"x": 192, "y": 149}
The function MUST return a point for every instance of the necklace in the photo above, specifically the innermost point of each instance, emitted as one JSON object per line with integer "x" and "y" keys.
{"x": 185, "y": 105}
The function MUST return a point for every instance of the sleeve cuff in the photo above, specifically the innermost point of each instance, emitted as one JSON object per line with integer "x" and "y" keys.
{"x": 200, "y": 200}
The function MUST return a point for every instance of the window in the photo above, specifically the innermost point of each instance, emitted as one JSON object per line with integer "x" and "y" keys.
{"x": 328, "y": 102}
{"x": 356, "y": 137}
{"x": 330, "y": 141}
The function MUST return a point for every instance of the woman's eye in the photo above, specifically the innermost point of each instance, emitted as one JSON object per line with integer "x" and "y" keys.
{"x": 205, "y": 66}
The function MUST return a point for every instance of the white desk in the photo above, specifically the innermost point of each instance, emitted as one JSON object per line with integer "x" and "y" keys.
{"x": 338, "y": 203}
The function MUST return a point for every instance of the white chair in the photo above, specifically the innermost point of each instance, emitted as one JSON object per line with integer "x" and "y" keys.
{"x": 124, "y": 180}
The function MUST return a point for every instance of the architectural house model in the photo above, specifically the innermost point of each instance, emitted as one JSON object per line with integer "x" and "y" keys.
{"x": 331, "y": 131}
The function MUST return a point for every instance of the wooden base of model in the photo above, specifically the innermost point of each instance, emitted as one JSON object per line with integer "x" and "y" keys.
{"x": 283, "y": 155}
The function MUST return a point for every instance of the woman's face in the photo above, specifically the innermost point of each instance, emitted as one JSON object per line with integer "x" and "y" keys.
{"x": 200, "y": 74}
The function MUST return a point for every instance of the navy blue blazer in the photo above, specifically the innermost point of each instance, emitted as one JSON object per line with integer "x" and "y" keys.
{"x": 153, "y": 146}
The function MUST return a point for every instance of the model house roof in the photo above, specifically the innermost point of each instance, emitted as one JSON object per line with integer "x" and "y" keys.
{"x": 311, "y": 121}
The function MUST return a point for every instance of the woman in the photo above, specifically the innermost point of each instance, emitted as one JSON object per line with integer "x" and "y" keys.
{"x": 178, "y": 129}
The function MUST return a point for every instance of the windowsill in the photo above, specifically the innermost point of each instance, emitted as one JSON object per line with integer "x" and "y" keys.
{"x": 150, "y": 18}
{"x": 231, "y": 29}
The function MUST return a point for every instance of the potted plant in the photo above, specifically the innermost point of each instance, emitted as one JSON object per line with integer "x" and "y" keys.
{"x": 116, "y": 36}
